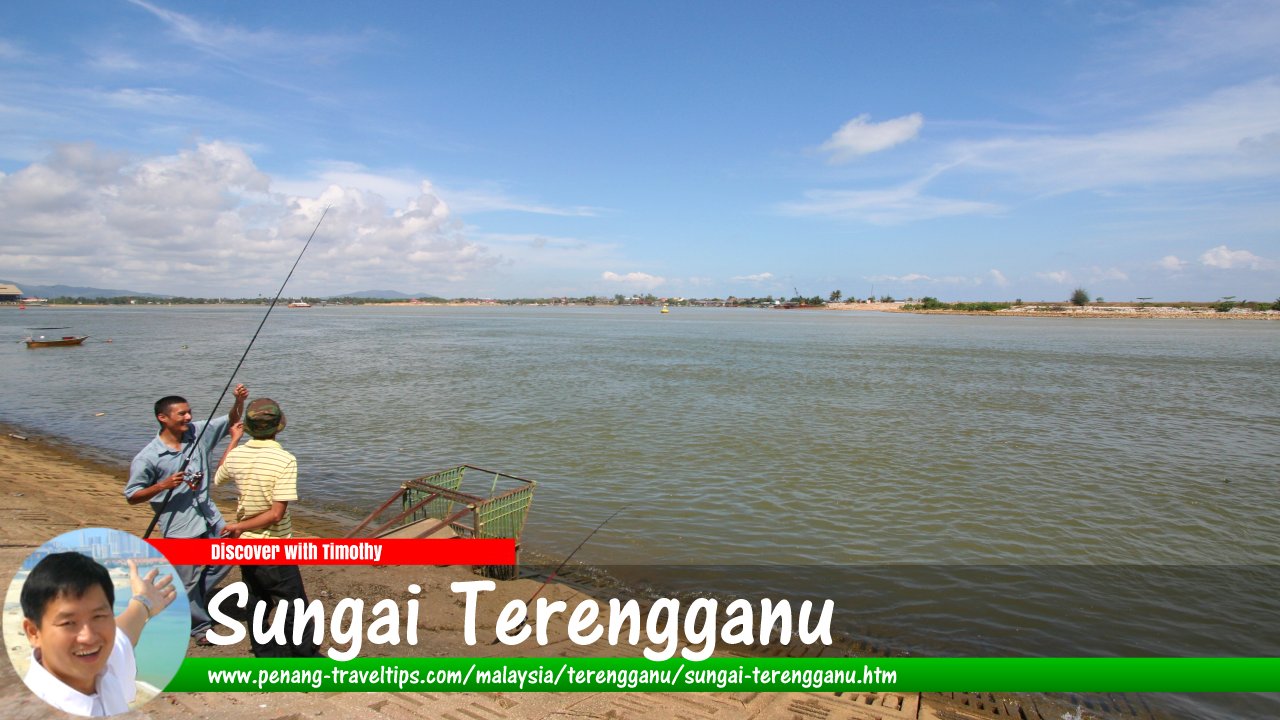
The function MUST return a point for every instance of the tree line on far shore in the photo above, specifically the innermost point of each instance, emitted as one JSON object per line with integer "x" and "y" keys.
{"x": 1080, "y": 297}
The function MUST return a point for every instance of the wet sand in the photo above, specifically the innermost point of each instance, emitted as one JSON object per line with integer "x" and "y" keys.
{"x": 48, "y": 488}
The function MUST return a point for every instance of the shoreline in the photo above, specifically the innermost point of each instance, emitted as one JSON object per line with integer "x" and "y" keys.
{"x": 50, "y": 488}
{"x": 1037, "y": 310}
{"x": 1034, "y": 310}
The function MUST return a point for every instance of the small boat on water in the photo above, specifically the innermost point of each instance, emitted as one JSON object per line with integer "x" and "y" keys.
{"x": 299, "y": 305}
{"x": 665, "y": 310}
{"x": 65, "y": 340}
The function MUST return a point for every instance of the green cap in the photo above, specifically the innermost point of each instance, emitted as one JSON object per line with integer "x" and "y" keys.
{"x": 263, "y": 418}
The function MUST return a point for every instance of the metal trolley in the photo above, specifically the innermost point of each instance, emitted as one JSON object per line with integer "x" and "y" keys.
{"x": 438, "y": 506}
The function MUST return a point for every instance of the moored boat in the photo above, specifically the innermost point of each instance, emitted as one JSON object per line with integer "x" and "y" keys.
{"x": 43, "y": 342}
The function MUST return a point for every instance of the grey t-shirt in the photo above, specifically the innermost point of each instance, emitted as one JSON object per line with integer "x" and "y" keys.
{"x": 190, "y": 513}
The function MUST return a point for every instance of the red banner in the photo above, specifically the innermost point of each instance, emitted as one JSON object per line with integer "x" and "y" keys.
{"x": 326, "y": 551}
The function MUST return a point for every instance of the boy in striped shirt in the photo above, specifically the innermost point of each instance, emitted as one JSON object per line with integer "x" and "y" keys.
{"x": 266, "y": 476}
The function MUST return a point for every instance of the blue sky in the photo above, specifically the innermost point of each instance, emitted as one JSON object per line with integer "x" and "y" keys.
{"x": 983, "y": 150}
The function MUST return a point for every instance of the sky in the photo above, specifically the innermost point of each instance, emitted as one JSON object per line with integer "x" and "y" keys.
{"x": 966, "y": 151}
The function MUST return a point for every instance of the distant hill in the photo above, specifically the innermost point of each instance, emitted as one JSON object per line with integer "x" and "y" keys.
{"x": 383, "y": 295}
{"x": 52, "y": 291}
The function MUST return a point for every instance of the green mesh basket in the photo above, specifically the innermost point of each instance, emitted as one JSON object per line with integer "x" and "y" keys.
{"x": 463, "y": 501}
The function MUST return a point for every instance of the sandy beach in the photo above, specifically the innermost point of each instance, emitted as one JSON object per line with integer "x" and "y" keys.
{"x": 1149, "y": 312}
{"x": 48, "y": 489}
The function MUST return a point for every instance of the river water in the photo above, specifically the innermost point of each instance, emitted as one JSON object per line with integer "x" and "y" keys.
{"x": 735, "y": 438}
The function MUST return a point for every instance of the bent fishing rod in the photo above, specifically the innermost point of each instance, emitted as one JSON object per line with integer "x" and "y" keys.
{"x": 564, "y": 562}
{"x": 191, "y": 449}
{"x": 568, "y": 557}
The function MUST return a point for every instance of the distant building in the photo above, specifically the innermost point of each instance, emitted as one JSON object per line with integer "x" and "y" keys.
{"x": 10, "y": 293}
{"x": 35, "y": 557}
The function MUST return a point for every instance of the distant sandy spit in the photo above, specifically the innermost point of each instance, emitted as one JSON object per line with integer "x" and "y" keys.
{"x": 1088, "y": 311}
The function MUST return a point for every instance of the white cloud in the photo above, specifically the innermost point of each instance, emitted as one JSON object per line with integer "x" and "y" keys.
{"x": 400, "y": 185}
{"x": 408, "y": 244}
{"x": 272, "y": 57}
{"x": 226, "y": 40}
{"x": 1224, "y": 258}
{"x": 549, "y": 256}
{"x": 535, "y": 241}
{"x": 1208, "y": 139}
{"x": 1062, "y": 277}
{"x": 156, "y": 100}
{"x": 115, "y": 61}
{"x": 1202, "y": 36}
{"x": 1180, "y": 93}
{"x": 998, "y": 278}
{"x": 1137, "y": 133}
{"x": 758, "y": 277}
{"x": 1171, "y": 263}
{"x": 1101, "y": 274}
{"x": 638, "y": 280}
{"x": 476, "y": 201}
{"x": 394, "y": 186}
{"x": 207, "y": 220}
{"x": 10, "y": 51}
{"x": 944, "y": 280}
{"x": 890, "y": 206}
{"x": 860, "y": 137}
{"x": 894, "y": 206}
{"x": 908, "y": 278}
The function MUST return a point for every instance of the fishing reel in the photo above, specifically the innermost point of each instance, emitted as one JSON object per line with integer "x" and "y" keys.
{"x": 193, "y": 478}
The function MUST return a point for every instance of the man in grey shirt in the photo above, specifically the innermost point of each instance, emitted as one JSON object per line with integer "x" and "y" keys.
{"x": 190, "y": 512}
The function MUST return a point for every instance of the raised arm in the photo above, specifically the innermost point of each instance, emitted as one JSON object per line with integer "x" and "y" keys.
{"x": 150, "y": 597}
{"x": 236, "y": 432}
{"x": 237, "y": 410}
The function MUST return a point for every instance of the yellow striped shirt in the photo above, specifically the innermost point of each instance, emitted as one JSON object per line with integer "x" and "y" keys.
{"x": 264, "y": 472}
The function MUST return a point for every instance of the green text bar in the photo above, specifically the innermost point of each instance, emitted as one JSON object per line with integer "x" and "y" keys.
{"x": 1093, "y": 675}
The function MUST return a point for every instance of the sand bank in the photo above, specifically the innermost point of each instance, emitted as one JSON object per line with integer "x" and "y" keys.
{"x": 1088, "y": 311}
{"x": 46, "y": 489}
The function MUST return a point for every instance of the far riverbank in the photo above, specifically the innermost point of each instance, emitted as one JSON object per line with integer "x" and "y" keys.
{"x": 1107, "y": 310}
{"x": 1087, "y": 311}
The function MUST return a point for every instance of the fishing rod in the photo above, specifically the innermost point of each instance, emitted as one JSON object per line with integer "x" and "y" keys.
{"x": 570, "y": 555}
{"x": 190, "y": 452}
{"x": 564, "y": 562}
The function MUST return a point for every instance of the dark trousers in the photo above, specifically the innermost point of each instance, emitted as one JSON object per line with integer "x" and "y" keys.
{"x": 199, "y": 581}
{"x": 273, "y": 583}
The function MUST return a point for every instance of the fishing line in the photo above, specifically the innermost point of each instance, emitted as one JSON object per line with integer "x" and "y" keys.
{"x": 564, "y": 562}
{"x": 575, "y": 552}
{"x": 190, "y": 451}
